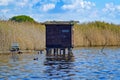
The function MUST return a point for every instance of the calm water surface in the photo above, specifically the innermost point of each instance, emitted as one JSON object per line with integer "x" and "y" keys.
{"x": 85, "y": 64}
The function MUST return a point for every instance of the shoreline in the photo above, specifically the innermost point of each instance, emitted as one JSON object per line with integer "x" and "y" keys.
{"x": 75, "y": 47}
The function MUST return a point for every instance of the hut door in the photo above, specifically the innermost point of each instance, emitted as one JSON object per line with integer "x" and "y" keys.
{"x": 65, "y": 37}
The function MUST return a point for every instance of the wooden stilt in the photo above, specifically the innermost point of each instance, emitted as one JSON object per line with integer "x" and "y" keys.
{"x": 54, "y": 51}
{"x": 63, "y": 52}
{"x": 59, "y": 52}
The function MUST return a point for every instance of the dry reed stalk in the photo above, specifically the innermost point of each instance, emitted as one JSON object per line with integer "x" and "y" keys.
{"x": 28, "y": 35}
{"x": 32, "y": 35}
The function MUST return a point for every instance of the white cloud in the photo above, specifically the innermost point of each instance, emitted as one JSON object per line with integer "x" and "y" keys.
{"x": 82, "y": 10}
{"x": 118, "y": 7}
{"x": 4, "y": 11}
{"x": 47, "y": 7}
{"x": 78, "y": 4}
{"x": 22, "y": 3}
{"x": 111, "y": 10}
{"x": 55, "y": 1}
{"x": 111, "y": 7}
{"x": 5, "y": 2}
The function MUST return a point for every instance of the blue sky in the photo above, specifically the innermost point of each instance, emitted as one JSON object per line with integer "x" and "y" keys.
{"x": 63, "y": 10}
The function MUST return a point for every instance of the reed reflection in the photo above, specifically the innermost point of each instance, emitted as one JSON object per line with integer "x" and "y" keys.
{"x": 59, "y": 66}
{"x": 14, "y": 56}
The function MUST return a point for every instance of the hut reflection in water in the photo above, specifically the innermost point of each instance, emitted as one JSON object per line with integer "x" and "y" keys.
{"x": 58, "y": 55}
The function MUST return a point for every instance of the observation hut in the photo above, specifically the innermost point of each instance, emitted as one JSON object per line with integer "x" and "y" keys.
{"x": 59, "y": 37}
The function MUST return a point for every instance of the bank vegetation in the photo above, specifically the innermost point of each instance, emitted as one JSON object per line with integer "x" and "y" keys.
{"x": 31, "y": 36}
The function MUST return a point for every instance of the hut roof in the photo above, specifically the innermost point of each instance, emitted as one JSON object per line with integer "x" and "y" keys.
{"x": 61, "y": 22}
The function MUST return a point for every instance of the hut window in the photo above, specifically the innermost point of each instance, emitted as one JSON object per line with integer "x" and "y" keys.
{"x": 65, "y": 31}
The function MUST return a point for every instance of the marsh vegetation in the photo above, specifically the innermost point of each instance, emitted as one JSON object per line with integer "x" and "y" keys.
{"x": 31, "y": 35}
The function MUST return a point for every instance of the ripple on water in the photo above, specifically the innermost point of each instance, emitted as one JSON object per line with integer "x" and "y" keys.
{"x": 87, "y": 64}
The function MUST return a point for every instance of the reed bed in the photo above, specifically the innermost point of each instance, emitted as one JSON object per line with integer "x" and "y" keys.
{"x": 96, "y": 34}
{"x": 31, "y": 36}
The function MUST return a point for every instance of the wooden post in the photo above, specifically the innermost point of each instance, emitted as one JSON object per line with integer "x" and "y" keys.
{"x": 57, "y": 51}
{"x": 64, "y": 52}
{"x": 70, "y": 52}
{"x": 60, "y": 51}
{"x": 54, "y": 51}
{"x": 46, "y": 52}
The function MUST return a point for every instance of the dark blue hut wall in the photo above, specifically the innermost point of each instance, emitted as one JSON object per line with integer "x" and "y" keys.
{"x": 59, "y": 36}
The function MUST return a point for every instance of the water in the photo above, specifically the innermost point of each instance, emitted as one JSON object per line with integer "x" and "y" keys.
{"x": 85, "y": 64}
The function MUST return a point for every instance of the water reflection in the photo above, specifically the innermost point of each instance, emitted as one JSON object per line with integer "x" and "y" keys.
{"x": 67, "y": 58}
{"x": 59, "y": 67}
{"x": 14, "y": 56}
{"x": 85, "y": 64}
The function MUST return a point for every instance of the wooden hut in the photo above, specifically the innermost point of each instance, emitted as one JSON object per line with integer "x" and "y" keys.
{"x": 59, "y": 35}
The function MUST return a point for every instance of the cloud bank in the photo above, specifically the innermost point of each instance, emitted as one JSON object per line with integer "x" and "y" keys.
{"x": 82, "y": 10}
